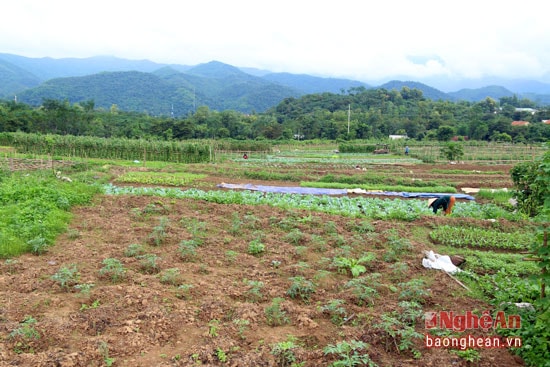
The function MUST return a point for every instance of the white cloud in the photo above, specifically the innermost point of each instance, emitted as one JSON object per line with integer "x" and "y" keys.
{"x": 348, "y": 38}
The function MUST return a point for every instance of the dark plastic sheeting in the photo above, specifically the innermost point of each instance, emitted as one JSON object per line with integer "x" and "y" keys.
{"x": 319, "y": 191}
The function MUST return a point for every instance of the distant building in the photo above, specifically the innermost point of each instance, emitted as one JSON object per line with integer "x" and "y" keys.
{"x": 459, "y": 138}
{"x": 546, "y": 122}
{"x": 520, "y": 123}
{"x": 395, "y": 137}
{"x": 532, "y": 111}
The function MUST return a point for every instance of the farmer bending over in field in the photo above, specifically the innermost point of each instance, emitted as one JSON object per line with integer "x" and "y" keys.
{"x": 445, "y": 202}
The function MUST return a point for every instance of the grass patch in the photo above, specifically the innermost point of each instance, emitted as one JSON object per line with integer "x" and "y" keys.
{"x": 272, "y": 176}
{"x": 500, "y": 197}
{"x": 34, "y": 209}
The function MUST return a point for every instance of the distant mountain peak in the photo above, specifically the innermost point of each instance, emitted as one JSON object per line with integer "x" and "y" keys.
{"x": 427, "y": 91}
{"x": 215, "y": 69}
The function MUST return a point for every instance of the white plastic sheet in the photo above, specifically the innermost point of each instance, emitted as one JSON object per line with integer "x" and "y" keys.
{"x": 439, "y": 262}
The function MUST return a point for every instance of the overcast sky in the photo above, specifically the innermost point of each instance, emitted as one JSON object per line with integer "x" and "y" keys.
{"x": 363, "y": 40}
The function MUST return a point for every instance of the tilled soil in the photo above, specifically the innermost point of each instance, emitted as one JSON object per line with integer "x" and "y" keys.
{"x": 211, "y": 310}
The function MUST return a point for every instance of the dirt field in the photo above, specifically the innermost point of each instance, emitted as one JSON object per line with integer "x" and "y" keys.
{"x": 212, "y": 309}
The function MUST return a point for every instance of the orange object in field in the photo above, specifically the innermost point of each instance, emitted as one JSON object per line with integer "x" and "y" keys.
{"x": 450, "y": 206}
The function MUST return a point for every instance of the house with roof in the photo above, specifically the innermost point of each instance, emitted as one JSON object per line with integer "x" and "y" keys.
{"x": 532, "y": 111}
{"x": 395, "y": 137}
{"x": 520, "y": 123}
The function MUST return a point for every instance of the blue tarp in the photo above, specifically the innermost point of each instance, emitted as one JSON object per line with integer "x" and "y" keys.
{"x": 285, "y": 189}
{"x": 320, "y": 191}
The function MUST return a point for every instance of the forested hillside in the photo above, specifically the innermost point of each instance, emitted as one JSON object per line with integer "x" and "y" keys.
{"x": 13, "y": 78}
{"x": 166, "y": 90}
{"x": 357, "y": 114}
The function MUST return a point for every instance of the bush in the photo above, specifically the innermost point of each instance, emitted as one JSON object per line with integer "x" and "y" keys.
{"x": 531, "y": 184}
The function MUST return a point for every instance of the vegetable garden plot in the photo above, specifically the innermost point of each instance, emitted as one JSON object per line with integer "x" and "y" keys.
{"x": 481, "y": 238}
{"x": 342, "y": 205}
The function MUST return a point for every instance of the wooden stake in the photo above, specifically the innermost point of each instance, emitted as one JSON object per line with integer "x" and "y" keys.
{"x": 458, "y": 281}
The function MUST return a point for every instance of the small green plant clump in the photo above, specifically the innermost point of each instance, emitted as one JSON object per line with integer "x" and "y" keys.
{"x": 24, "y": 335}
{"x": 170, "y": 276}
{"x": 184, "y": 291}
{"x": 256, "y": 247}
{"x": 349, "y": 354}
{"x": 301, "y": 288}
{"x": 414, "y": 290}
{"x": 399, "y": 327}
{"x": 38, "y": 245}
{"x": 213, "y": 326}
{"x": 134, "y": 250}
{"x": 284, "y": 352}
{"x": 274, "y": 314}
{"x": 103, "y": 348}
{"x": 336, "y": 310}
{"x": 188, "y": 250}
{"x": 352, "y": 266}
{"x": 149, "y": 263}
{"x": 469, "y": 355}
{"x": 158, "y": 236}
{"x": 113, "y": 269}
{"x": 66, "y": 276}
{"x": 254, "y": 292}
{"x": 365, "y": 288}
{"x": 242, "y": 324}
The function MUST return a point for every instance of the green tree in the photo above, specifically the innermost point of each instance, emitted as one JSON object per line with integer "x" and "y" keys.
{"x": 531, "y": 185}
{"x": 453, "y": 151}
{"x": 444, "y": 133}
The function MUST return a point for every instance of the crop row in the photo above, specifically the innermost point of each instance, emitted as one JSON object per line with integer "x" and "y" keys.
{"x": 112, "y": 148}
{"x": 480, "y": 238}
{"x": 379, "y": 187}
{"x": 369, "y": 207}
{"x": 159, "y": 178}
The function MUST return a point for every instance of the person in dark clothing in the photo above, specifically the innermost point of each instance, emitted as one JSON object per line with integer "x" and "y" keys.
{"x": 445, "y": 202}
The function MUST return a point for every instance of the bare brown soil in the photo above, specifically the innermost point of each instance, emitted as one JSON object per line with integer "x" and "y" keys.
{"x": 149, "y": 319}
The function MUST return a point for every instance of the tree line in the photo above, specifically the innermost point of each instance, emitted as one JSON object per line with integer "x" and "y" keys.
{"x": 357, "y": 113}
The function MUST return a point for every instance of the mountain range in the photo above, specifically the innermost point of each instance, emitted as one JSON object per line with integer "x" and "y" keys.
{"x": 177, "y": 90}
